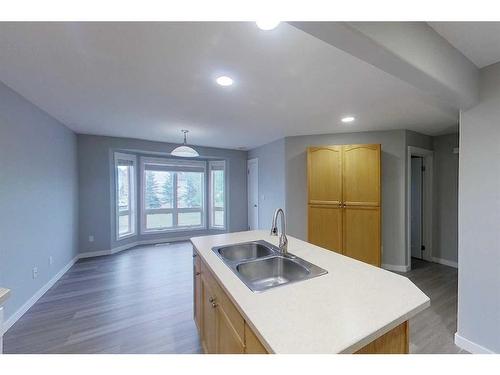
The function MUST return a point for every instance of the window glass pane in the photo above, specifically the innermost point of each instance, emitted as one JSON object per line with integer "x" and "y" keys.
{"x": 159, "y": 191}
{"x": 123, "y": 199}
{"x": 189, "y": 219}
{"x": 218, "y": 188}
{"x": 189, "y": 189}
{"x": 159, "y": 221}
{"x": 123, "y": 224}
{"x": 123, "y": 188}
{"x": 219, "y": 218}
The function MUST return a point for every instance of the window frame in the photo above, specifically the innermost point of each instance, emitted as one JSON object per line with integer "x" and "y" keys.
{"x": 132, "y": 212}
{"x": 216, "y": 165}
{"x": 177, "y": 165}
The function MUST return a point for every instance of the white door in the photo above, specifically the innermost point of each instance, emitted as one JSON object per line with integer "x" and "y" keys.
{"x": 253, "y": 193}
{"x": 416, "y": 207}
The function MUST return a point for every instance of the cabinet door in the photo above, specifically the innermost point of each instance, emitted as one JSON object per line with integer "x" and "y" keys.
{"x": 197, "y": 291}
{"x": 362, "y": 234}
{"x": 228, "y": 340}
{"x": 252, "y": 343}
{"x": 209, "y": 318}
{"x": 361, "y": 175}
{"x": 325, "y": 227}
{"x": 324, "y": 174}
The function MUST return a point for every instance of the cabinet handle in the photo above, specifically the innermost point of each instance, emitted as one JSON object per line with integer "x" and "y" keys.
{"x": 195, "y": 255}
{"x": 198, "y": 273}
{"x": 211, "y": 299}
{"x": 214, "y": 305}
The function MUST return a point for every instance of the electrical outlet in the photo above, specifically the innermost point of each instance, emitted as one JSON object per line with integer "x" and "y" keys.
{"x": 35, "y": 272}
{"x": 51, "y": 260}
{"x": 91, "y": 238}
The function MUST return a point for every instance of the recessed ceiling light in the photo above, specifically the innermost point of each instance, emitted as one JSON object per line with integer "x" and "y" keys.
{"x": 224, "y": 81}
{"x": 267, "y": 24}
{"x": 348, "y": 119}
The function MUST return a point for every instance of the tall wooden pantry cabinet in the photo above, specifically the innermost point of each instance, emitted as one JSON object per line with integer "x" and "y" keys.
{"x": 344, "y": 200}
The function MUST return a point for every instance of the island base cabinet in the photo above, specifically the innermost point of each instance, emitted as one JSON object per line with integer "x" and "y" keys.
{"x": 208, "y": 319}
{"x": 396, "y": 341}
{"x": 223, "y": 330}
{"x": 197, "y": 290}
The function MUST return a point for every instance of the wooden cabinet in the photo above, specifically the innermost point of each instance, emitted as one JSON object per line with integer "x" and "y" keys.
{"x": 228, "y": 339}
{"x": 325, "y": 226}
{"x": 197, "y": 290}
{"x": 361, "y": 235}
{"x": 396, "y": 341}
{"x": 344, "y": 200}
{"x": 222, "y": 326}
{"x": 223, "y": 330}
{"x": 361, "y": 175}
{"x": 208, "y": 318}
{"x": 325, "y": 175}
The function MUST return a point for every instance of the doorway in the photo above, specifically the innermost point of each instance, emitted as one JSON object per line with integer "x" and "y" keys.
{"x": 253, "y": 193}
{"x": 419, "y": 205}
{"x": 416, "y": 225}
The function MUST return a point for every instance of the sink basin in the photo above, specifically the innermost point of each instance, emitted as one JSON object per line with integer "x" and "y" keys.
{"x": 261, "y": 265}
{"x": 270, "y": 272}
{"x": 245, "y": 251}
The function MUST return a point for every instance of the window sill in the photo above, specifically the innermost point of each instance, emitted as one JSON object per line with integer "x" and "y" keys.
{"x": 172, "y": 230}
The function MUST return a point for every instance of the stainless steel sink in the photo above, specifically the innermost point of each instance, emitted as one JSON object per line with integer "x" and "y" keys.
{"x": 262, "y": 266}
{"x": 244, "y": 251}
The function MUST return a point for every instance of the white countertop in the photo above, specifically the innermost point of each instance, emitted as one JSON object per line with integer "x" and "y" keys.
{"x": 4, "y": 294}
{"x": 339, "y": 312}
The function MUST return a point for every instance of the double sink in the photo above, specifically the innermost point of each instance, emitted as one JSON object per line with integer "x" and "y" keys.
{"x": 261, "y": 265}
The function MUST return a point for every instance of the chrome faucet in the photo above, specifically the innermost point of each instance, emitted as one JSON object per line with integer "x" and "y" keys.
{"x": 283, "y": 241}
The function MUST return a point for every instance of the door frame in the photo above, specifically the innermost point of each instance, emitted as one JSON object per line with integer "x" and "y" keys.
{"x": 249, "y": 162}
{"x": 427, "y": 192}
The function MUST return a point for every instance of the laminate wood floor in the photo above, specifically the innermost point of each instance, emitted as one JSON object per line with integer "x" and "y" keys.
{"x": 433, "y": 330}
{"x": 137, "y": 301}
{"x": 140, "y": 301}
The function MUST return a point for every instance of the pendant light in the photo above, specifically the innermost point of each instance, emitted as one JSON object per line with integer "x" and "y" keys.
{"x": 185, "y": 151}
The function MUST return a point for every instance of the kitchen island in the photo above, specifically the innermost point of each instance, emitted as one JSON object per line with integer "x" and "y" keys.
{"x": 355, "y": 307}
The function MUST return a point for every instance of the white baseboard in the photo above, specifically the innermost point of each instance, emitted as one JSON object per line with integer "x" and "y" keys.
{"x": 396, "y": 268}
{"x": 27, "y": 305}
{"x": 470, "y": 346}
{"x": 91, "y": 254}
{"x": 445, "y": 262}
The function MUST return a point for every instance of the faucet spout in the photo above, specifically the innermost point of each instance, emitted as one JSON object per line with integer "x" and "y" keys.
{"x": 283, "y": 240}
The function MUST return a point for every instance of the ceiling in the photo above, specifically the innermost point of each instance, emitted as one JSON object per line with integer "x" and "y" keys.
{"x": 150, "y": 80}
{"x": 478, "y": 41}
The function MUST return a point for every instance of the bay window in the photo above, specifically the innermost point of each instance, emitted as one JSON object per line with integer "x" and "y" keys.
{"x": 125, "y": 213}
{"x": 173, "y": 195}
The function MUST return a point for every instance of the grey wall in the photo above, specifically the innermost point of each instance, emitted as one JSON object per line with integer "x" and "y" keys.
{"x": 393, "y": 185}
{"x": 445, "y": 221}
{"x": 418, "y": 140}
{"x": 38, "y": 197}
{"x": 479, "y": 217}
{"x": 271, "y": 179}
{"x": 96, "y": 182}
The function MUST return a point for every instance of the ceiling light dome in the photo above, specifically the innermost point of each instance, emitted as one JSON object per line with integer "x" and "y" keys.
{"x": 267, "y": 24}
{"x": 224, "y": 81}
{"x": 348, "y": 119}
{"x": 185, "y": 151}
